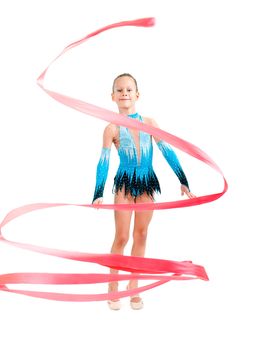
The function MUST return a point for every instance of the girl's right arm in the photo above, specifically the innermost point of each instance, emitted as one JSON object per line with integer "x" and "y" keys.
{"x": 103, "y": 164}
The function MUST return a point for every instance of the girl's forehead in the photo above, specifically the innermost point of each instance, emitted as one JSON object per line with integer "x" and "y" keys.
{"x": 124, "y": 81}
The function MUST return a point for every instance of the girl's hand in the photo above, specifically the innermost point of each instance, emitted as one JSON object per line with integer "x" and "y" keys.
{"x": 98, "y": 201}
{"x": 185, "y": 190}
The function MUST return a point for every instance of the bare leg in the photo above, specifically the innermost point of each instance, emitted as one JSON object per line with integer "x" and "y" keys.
{"x": 141, "y": 222}
{"x": 122, "y": 224}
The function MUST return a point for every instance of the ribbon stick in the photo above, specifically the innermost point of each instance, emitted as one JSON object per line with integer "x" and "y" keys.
{"x": 140, "y": 268}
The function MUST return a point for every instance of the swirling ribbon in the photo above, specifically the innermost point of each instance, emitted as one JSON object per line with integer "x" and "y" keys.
{"x": 140, "y": 268}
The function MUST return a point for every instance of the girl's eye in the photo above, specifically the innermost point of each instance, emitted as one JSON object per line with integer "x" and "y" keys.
{"x": 120, "y": 90}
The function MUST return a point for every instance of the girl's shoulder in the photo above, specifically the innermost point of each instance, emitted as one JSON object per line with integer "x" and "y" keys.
{"x": 149, "y": 121}
{"x": 111, "y": 129}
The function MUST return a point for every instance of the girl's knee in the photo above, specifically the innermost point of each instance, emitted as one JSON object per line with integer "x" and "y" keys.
{"x": 140, "y": 235}
{"x": 121, "y": 239}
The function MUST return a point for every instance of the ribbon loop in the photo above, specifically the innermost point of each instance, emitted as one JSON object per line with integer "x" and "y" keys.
{"x": 140, "y": 268}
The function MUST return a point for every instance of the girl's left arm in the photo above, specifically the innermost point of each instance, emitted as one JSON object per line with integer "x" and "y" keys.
{"x": 173, "y": 161}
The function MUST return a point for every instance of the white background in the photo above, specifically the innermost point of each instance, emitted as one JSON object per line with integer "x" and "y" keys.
{"x": 196, "y": 75}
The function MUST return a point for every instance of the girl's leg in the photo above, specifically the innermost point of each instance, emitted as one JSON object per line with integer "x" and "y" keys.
{"x": 141, "y": 222}
{"x": 122, "y": 226}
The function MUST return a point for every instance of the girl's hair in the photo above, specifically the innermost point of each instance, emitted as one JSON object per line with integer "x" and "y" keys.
{"x": 125, "y": 75}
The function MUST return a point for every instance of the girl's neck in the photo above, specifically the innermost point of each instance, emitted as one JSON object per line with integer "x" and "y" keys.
{"x": 128, "y": 111}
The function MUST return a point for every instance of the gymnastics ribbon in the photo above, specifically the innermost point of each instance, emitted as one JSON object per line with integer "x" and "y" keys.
{"x": 141, "y": 268}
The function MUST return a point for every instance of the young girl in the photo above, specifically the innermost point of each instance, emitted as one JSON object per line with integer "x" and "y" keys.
{"x": 135, "y": 181}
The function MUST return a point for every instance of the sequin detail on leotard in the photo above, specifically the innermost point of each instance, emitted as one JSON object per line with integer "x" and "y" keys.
{"x": 135, "y": 172}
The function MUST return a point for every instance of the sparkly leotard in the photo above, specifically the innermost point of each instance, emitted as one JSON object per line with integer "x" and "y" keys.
{"x": 135, "y": 172}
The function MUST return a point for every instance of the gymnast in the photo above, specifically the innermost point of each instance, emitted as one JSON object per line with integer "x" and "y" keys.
{"x": 135, "y": 180}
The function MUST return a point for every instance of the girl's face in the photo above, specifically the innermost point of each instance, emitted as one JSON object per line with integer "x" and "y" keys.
{"x": 125, "y": 94}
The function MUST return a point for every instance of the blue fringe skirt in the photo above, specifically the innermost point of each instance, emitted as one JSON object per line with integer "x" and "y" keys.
{"x": 137, "y": 181}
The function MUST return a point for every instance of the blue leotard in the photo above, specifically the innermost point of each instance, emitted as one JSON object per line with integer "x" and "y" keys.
{"x": 135, "y": 174}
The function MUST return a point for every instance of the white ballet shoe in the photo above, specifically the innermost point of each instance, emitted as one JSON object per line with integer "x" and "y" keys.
{"x": 136, "y": 305}
{"x": 114, "y": 304}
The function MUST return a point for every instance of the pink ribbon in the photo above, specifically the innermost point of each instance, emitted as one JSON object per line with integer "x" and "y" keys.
{"x": 141, "y": 268}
